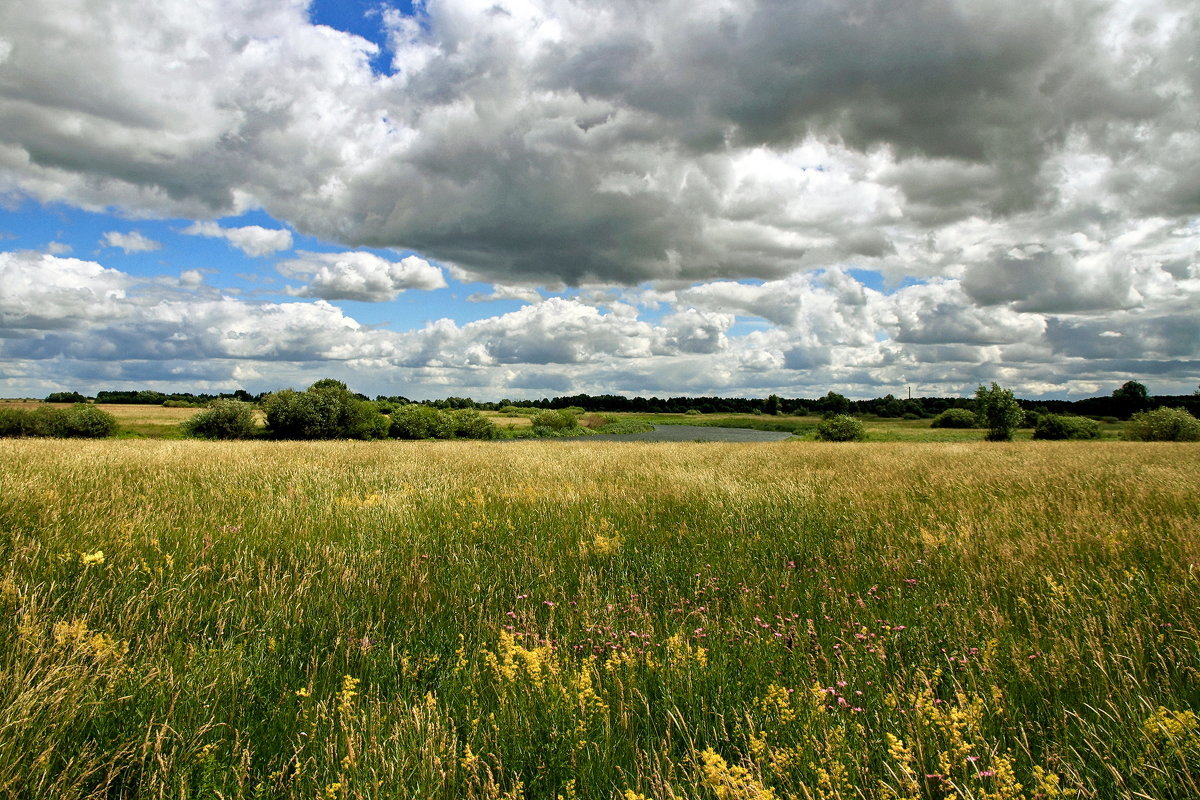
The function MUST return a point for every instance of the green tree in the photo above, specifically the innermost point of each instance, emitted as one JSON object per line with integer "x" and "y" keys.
{"x": 833, "y": 403}
{"x": 1000, "y": 412}
{"x": 1131, "y": 398}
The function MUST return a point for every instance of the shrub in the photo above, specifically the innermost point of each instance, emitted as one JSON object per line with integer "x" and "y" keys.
{"x": 1163, "y": 425}
{"x": 1066, "y": 426}
{"x": 83, "y": 421}
{"x": 326, "y": 410}
{"x": 955, "y": 418}
{"x": 470, "y": 424}
{"x": 693, "y": 412}
{"x": 14, "y": 422}
{"x": 841, "y": 428}
{"x": 223, "y": 419}
{"x": 421, "y": 422}
{"x": 80, "y": 421}
{"x": 1000, "y": 412}
{"x": 556, "y": 421}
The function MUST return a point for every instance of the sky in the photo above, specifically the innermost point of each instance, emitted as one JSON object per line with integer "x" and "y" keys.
{"x": 527, "y": 198}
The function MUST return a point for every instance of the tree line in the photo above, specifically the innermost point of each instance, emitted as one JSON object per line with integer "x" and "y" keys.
{"x": 1125, "y": 401}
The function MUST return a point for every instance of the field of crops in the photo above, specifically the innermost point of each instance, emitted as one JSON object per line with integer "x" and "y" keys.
{"x": 578, "y": 619}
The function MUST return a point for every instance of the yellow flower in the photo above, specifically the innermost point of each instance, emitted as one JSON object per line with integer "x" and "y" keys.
{"x": 88, "y": 559}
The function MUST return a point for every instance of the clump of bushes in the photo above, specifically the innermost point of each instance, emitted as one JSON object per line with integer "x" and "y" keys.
{"x": 223, "y": 419}
{"x": 841, "y": 428}
{"x": 1065, "y": 426}
{"x": 326, "y": 410}
{"x": 416, "y": 421}
{"x": 556, "y": 423}
{"x": 80, "y": 421}
{"x": 1163, "y": 425}
{"x": 955, "y": 418}
{"x": 470, "y": 424}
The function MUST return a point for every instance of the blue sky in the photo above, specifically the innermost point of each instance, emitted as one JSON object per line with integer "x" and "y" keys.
{"x": 537, "y": 197}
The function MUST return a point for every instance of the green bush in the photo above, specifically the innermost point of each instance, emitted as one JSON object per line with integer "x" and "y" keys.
{"x": 223, "y": 419}
{"x": 955, "y": 418}
{"x": 841, "y": 428}
{"x": 693, "y": 412}
{"x": 1163, "y": 425}
{"x": 40, "y": 421}
{"x": 1066, "y": 426}
{"x": 83, "y": 421}
{"x": 326, "y": 410}
{"x": 421, "y": 422}
{"x": 80, "y": 421}
{"x": 1000, "y": 412}
{"x": 470, "y": 424}
{"x": 557, "y": 422}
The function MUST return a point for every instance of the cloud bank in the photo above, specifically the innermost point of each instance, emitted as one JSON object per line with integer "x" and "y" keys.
{"x": 1029, "y": 179}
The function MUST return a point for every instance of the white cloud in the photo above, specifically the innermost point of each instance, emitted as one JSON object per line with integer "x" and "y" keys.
{"x": 71, "y": 322}
{"x": 360, "y": 276}
{"x": 1034, "y": 173}
{"x": 132, "y": 242}
{"x": 253, "y": 240}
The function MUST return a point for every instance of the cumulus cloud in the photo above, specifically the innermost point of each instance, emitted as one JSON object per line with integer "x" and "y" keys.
{"x": 253, "y": 240}
{"x": 360, "y": 276}
{"x": 1034, "y": 174}
{"x": 553, "y": 140}
{"x": 132, "y": 242}
{"x": 67, "y": 321}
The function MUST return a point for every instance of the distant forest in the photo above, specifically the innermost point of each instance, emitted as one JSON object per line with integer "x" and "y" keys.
{"x": 1121, "y": 404}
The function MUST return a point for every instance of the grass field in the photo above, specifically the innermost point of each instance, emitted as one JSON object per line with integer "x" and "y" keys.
{"x": 598, "y": 620}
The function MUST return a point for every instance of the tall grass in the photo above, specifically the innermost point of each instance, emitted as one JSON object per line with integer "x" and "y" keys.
{"x": 598, "y": 620}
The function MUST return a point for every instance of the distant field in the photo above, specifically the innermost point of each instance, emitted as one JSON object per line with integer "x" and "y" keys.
{"x": 590, "y": 620}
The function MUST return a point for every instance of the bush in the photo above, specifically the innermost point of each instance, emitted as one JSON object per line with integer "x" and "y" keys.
{"x": 693, "y": 412}
{"x": 80, "y": 421}
{"x": 326, "y": 410}
{"x": 41, "y": 421}
{"x": 421, "y": 422}
{"x": 470, "y": 424}
{"x": 955, "y": 418}
{"x": 1163, "y": 425}
{"x": 557, "y": 422}
{"x": 223, "y": 419}
{"x": 1066, "y": 426}
{"x": 83, "y": 421}
{"x": 841, "y": 428}
{"x": 999, "y": 411}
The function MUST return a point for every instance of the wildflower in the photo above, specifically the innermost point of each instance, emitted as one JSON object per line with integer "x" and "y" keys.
{"x": 89, "y": 559}
{"x": 347, "y": 694}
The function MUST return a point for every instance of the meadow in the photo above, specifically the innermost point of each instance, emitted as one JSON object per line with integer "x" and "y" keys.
{"x": 185, "y": 619}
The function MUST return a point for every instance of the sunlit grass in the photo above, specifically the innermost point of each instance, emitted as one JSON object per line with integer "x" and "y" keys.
{"x": 459, "y": 619}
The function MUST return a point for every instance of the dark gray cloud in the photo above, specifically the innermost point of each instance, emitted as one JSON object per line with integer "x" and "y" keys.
{"x": 556, "y": 141}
